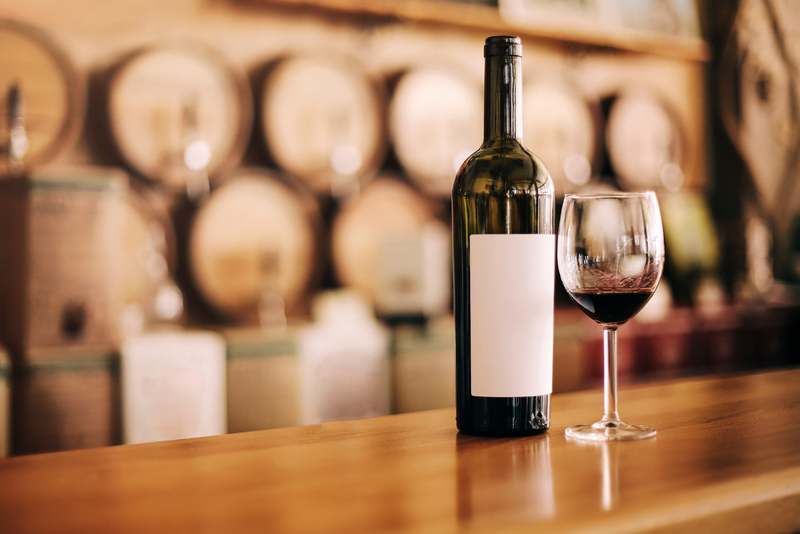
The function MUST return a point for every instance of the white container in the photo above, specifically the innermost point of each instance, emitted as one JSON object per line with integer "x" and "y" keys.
{"x": 414, "y": 273}
{"x": 344, "y": 362}
{"x": 173, "y": 386}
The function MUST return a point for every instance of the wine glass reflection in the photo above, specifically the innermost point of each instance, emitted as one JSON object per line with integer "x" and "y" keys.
{"x": 608, "y": 453}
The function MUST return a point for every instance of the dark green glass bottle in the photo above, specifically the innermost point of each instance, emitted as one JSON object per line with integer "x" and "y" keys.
{"x": 503, "y": 259}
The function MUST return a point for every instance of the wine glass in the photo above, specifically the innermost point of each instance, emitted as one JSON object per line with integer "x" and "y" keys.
{"x": 610, "y": 256}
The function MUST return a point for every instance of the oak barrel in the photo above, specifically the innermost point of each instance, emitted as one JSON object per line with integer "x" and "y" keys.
{"x": 174, "y": 109}
{"x": 369, "y": 230}
{"x": 435, "y": 123}
{"x": 322, "y": 121}
{"x": 150, "y": 252}
{"x": 255, "y": 233}
{"x": 561, "y": 125}
{"x": 53, "y": 94}
{"x": 645, "y": 142}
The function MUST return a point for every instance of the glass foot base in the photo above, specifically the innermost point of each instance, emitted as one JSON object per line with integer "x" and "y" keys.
{"x": 609, "y": 431}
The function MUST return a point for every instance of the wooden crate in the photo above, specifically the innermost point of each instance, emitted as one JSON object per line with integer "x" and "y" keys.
{"x": 65, "y": 399}
{"x": 59, "y": 258}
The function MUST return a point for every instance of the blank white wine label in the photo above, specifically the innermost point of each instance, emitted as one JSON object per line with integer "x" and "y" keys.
{"x": 512, "y": 278}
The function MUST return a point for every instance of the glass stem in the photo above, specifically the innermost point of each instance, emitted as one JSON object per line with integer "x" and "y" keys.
{"x": 610, "y": 382}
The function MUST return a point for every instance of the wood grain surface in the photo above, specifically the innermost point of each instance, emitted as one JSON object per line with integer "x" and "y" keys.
{"x": 726, "y": 459}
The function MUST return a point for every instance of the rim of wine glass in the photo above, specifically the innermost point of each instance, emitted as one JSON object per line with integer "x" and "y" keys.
{"x": 620, "y": 194}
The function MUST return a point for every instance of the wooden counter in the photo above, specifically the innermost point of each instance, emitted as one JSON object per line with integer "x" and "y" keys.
{"x": 726, "y": 459}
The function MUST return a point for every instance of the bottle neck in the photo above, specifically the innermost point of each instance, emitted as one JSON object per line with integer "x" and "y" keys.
{"x": 502, "y": 98}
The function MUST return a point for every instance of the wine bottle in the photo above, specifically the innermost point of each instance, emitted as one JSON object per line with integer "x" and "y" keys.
{"x": 504, "y": 266}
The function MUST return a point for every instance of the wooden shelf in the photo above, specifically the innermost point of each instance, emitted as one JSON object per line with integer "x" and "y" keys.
{"x": 486, "y": 19}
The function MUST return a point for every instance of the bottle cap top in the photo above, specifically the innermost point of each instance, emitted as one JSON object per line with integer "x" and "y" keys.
{"x": 502, "y": 45}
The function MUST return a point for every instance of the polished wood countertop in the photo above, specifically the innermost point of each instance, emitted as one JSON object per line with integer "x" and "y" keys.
{"x": 726, "y": 459}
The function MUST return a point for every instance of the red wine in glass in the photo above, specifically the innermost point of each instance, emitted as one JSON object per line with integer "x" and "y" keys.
{"x": 612, "y": 306}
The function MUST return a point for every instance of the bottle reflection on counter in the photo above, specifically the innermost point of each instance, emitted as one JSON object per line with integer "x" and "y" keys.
{"x": 526, "y": 462}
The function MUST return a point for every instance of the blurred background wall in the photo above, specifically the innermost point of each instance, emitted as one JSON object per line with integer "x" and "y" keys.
{"x": 228, "y": 216}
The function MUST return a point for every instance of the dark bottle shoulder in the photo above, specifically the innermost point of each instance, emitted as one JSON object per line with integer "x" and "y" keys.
{"x": 503, "y": 166}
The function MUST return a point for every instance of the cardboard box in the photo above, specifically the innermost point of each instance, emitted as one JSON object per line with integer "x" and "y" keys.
{"x": 65, "y": 399}
{"x": 263, "y": 380}
{"x": 424, "y": 367}
{"x": 60, "y": 252}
